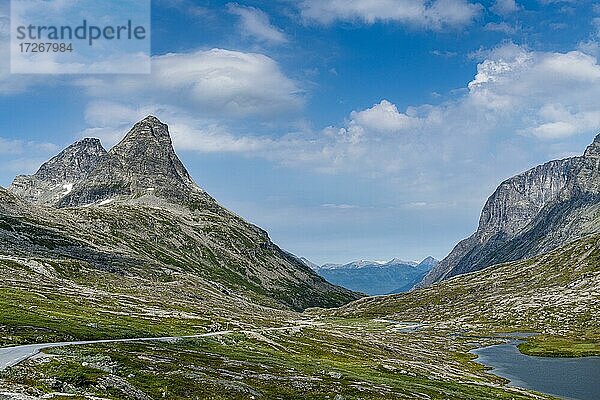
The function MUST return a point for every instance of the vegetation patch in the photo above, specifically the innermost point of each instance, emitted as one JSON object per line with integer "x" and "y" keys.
{"x": 556, "y": 346}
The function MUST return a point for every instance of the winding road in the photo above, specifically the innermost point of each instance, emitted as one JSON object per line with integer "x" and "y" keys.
{"x": 11, "y": 356}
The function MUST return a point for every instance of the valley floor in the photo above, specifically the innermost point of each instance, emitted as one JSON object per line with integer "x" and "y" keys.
{"x": 359, "y": 351}
{"x": 319, "y": 358}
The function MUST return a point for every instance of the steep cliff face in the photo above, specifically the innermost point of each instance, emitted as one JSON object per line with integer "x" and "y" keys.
{"x": 534, "y": 212}
{"x": 593, "y": 150}
{"x": 57, "y": 177}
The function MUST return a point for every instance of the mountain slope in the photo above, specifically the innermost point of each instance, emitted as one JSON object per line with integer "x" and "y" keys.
{"x": 137, "y": 211}
{"x": 375, "y": 278}
{"x": 531, "y": 213}
{"x": 556, "y": 293}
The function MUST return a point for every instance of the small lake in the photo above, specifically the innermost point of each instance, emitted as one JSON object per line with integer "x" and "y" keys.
{"x": 568, "y": 378}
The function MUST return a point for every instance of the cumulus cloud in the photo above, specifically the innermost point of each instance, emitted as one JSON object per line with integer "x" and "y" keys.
{"x": 383, "y": 117}
{"x": 230, "y": 83}
{"x": 550, "y": 93}
{"x": 557, "y": 122}
{"x": 433, "y": 15}
{"x": 255, "y": 23}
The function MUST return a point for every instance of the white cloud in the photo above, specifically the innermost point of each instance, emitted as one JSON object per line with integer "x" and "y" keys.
{"x": 110, "y": 121}
{"x": 211, "y": 137}
{"x": 255, "y": 23}
{"x": 22, "y": 157}
{"x": 505, "y": 7}
{"x": 383, "y": 117}
{"x": 557, "y": 122}
{"x": 223, "y": 82}
{"x": 513, "y": 77}
{"x": 500, "y": 27}
{"x": 554, "y": 130}
{"x": 520, "y": 107}
{"x": 434, "y": 15}
{"x": 339, "y": 206}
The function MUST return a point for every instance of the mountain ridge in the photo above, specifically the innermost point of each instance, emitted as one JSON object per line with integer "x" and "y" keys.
{"x": 554, "y": 293}
{"x": 375, "y": 277}
{"x": 136, "y": 207}
{"x": 368, "y": 263}
{"x": 531, "y": 213}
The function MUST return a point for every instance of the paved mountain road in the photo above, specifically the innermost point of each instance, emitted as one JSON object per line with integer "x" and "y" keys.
{"x": 11, "y": 356}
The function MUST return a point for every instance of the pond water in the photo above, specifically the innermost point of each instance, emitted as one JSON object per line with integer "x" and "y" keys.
{"x": 568, "y": 378}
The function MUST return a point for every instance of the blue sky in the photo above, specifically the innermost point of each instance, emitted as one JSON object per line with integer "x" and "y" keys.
{"x": 347, "y": 129}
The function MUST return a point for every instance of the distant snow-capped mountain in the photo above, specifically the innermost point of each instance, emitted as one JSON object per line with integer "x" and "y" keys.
{"x": 395, "y": 261}
{"x": 375, "y": 277}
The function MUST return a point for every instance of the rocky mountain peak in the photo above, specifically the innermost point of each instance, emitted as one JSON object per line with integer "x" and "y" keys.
{"x": 143, "y": 163}
{"x": 149, "y": 127}
{"x": 428, "y": 262}
{"x": 593, "y": 150}
{"x": 56, "y": 177}
{"x": 147, "y": 150}
{"x": 74, "y": 161}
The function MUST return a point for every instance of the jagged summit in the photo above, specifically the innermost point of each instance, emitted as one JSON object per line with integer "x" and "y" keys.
{"x": 428, "y": 262}
{"x": 593, "y": 150}
{"x": 141, "y": 165}
{"x": 144, "y": 163}
{"x": 74, "y": 161}
{"x": 147, "y": 149}
{"x": 149, "y": 128}
{"x": 56, "y": 177}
